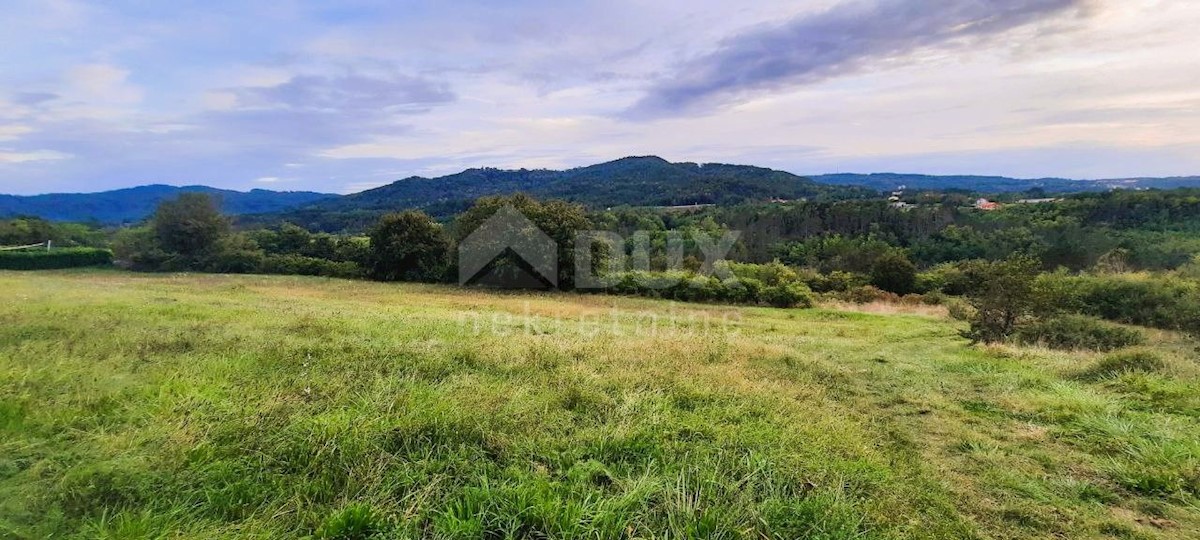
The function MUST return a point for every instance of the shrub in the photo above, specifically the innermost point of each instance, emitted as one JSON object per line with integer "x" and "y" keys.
{"x": 788, "y": 296}
{"x": 866, "y": 294}
{"x": 770, "y": 274}
{"x": 1159, "y": 302}
{"x": 1004, "y": 297}
{"x": 56, "y": 258}
{"x": 309, "y": 266}
{"x": 893, "y": 272}
{"x": 686, "y": 287}
{"x": 959, "y": 309}
{"x": 947, "y": 278}
{"x": 235, "y": 254}
{"x": 1071, "y": 332}
{"x": 1190, "y": 269}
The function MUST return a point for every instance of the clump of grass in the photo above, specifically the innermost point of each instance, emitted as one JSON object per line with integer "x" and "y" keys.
{"x": 1122, "y": 363}
{"x": 354, "y": 522}
{"x": 1078, "y": 332}
{"x": 1159, "y": 467}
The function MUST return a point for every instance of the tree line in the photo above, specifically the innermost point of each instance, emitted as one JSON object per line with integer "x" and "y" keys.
{"x": 1019, "y": 273}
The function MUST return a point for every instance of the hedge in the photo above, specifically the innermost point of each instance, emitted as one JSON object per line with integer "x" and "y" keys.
{"x": 55, "y": 258}
{"x": 687, "y": 287}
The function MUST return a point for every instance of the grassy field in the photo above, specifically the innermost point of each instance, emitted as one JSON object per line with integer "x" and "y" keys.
{"x": 204, "y": 406}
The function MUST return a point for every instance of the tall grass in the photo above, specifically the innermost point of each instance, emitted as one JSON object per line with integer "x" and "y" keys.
{"x": 185, "y": 406}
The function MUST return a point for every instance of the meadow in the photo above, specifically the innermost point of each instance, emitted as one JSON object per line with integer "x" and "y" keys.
{"x": 239, "y": 406}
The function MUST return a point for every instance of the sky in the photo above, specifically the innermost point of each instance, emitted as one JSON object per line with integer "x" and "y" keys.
{"x": 343, "y": 96}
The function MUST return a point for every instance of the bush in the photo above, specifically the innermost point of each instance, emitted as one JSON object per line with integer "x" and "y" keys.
{"x": 866, "y": 294}
{"x": 1071, "y": 332}
{"x": 893, "y": 272}
{"x": 1160, "y": 302}
{"x": 55, "y": 258}
{"x": 309, "y": 266}
{"x": 686, "y": 287}
{"x": 1004, "y": 298}
{"x": 835, "y": 281}
{"x": 770, "y": 274}
{"x": 138, "y": 249}
{"x": 788, "y": 296}
{"x": 946, "y": 278}
{"x": 235, "y": 254}
{"x": 959, "y": 309}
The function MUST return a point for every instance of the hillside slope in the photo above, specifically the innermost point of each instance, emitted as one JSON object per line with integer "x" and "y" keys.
{"x": 215, "y": 406}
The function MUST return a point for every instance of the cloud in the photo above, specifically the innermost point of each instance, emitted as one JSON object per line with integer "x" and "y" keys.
{"x": 848, "y": 38}
{"x": 13, "y": 132}
{"x": 103, "y": 82}
{"x": 34, "y": 98}
{"x": 35, "y": 155}
{"x": 349, "y": 92}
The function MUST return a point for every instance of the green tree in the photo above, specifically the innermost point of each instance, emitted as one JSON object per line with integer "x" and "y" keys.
{"x": 560, "y": 220}
{"x": 190, "y": 226}
{"x": 1003, "y": 295}
{"x": 409, "y": 246}
{"x": 893, "y": 272}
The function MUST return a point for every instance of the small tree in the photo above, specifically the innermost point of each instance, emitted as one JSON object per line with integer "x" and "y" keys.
{"x": 1003, "y": 294}
{"x": 408, "y": 246}
{"x": 893, "y": 272}
{"x": 190, "y": 226}
{"x": 560, "y": 220}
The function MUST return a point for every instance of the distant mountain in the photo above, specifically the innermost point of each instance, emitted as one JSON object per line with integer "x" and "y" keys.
{"x": 634, "y": 181}
{"x": 1000, "y": 184}
{"x": 135, "y": 204}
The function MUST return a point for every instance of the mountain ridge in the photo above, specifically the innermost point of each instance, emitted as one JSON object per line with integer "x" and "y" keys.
{"x": 888, "y": 181}
{"x": 646, "y": 180}
{"x": 133, "y": 204}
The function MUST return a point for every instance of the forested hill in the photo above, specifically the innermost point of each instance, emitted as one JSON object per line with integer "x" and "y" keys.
{"x": 1000, "y": 184}
{"x": 135, "y": 204}
{"x": 634, "y": 181}
{"x": 631, "y": 181}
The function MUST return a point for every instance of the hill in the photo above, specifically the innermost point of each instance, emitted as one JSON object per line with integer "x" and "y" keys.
{"x": 134, "y": 204}
{"x": 633, "y": 181}
{"x": 286, "y": 407}
{"x": 999, "y": 184}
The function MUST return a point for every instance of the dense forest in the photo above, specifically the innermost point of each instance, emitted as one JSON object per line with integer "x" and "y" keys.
{"x": 640, "y": 181}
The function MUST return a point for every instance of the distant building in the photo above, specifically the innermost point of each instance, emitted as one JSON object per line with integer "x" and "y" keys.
{"x": 984, "y": 204}
{"x": 1038, "y": 201}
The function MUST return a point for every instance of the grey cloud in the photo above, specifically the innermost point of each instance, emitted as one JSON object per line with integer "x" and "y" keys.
{"x": 350, "y": 92}
{"x": 848, "y": 38}
{"x": 34, "y": 98}
{"x": 287, "y": 123}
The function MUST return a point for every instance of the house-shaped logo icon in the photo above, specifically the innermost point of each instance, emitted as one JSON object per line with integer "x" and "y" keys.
{"x": 508, "y": 250}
